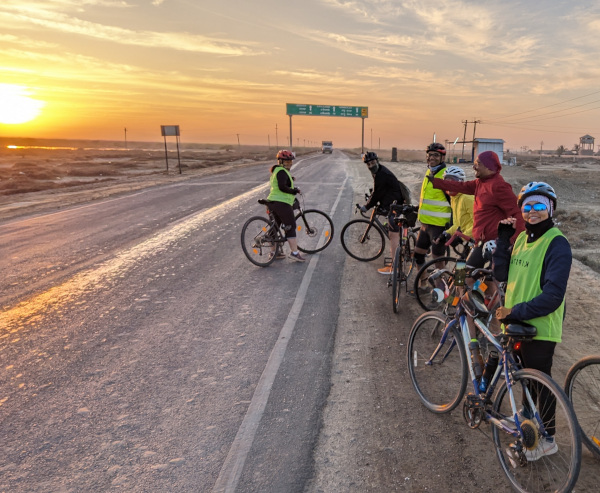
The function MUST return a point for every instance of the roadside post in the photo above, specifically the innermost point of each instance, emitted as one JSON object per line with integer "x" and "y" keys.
{"x": 171, "y": 131}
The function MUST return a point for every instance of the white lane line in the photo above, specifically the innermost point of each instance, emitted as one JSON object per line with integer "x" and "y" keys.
{"x": 233, "y": 466}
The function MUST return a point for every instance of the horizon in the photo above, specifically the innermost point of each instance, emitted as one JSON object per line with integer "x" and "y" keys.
{"x": 96, "y": 70}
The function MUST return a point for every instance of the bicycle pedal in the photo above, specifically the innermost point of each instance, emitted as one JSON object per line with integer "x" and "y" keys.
{"x": 475, "y": 401}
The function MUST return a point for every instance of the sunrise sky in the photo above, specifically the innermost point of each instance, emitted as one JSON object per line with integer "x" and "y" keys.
{"x": 90, "y": 68}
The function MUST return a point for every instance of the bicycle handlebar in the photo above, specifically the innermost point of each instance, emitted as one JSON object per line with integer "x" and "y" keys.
{"x": 459, "y": 234}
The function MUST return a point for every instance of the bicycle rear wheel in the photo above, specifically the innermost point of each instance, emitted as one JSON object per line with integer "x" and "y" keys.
{"x": 582, "y": 386}
{"x": 437, "y": 363}
{"x": 427, "y": 298}
{"x": 314, "y": 231}
{"x": 258, "y": 241}
{"x": 362, "y": 240}
{"x": 557, "y": 471}
{"x": 397, "y": 277}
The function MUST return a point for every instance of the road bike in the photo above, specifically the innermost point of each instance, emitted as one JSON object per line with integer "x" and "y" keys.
{"x": 434, "y": 282}
{"x": 364, "y": 239}
{"x": 263, "y": 238}
{"x": 523, "y": 406}
{"x": 582, "y": 386}
{"x": 402, "y": 264}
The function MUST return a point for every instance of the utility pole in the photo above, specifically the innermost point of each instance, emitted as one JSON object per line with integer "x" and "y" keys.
{"x": 475, "y": 122}
{"x": 125, "y": 137}
{"x": 238, "y": 136}
{"x": 541, "y": 146}
{"x": 276, "y": 138}
{"x": 464, "y": 138}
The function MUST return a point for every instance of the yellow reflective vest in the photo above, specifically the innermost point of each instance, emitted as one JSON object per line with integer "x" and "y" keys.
{"x": 434, "y": 207}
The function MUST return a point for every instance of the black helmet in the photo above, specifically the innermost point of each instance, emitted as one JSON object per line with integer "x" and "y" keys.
{"x": 436, "y": 147}
{"x": 370, "y": 156}
{"x": 537, "y": 188}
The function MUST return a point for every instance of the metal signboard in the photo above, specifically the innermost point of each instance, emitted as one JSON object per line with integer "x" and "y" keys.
{"x": 325, "y": 110}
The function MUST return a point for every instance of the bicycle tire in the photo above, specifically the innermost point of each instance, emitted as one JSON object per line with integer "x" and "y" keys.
{"x": 362, "y": 240}
{"x": 557, "y": 472}
{"x": 424, "y": 290}
{"x": 256, "y": 242}
{"x": 407, "y": 256}
{"x": 396, "y": 279}
{"x": 441, "y": 383}
{"x": 582, "y": 386}
{"x": 314, "y": 230}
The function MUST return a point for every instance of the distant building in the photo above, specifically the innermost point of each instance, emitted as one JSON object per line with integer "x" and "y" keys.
{"x": 586, "y": 145}
{"x": 481, "y": 145}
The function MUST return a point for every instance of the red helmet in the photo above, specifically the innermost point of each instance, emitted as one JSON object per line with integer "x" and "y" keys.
{"x": 285, "y": 155}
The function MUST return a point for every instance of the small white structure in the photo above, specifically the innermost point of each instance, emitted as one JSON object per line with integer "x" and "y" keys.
{"x": 481, "y": 145}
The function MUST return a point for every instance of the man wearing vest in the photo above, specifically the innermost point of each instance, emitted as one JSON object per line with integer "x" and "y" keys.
{"x": 536, "y": 272}
{"x": 434, "y": 207}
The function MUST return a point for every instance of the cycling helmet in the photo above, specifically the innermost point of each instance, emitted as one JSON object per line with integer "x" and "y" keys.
{"x": 370, "y": 156}
{"x": 455, "y": 172}
{"x": 488, "y": 249}
{"x": 436, "y": 147}
{"x": 537, "y": 188}
{"x": 285, "y": 155}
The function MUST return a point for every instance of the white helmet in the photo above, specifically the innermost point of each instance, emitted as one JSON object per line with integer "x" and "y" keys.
{"x": 455, "y": 172}
{"x": 488, "y": 249}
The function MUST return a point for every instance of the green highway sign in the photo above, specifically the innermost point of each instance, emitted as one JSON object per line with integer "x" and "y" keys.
{"x": 324, "y": 110}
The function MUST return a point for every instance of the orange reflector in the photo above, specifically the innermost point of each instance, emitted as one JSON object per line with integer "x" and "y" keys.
{"x": 483, "y": 286}
{"x": 455, "y": 301}
{"x": 596, "y": 440}
{"x": 517, "y": 346}
{"x": 326, "y": 233}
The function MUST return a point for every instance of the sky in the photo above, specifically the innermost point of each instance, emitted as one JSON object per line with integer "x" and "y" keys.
{"x": 224, "y": 70}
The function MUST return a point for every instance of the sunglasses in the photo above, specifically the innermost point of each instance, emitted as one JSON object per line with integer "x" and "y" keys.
{"x": 535, "y": 207}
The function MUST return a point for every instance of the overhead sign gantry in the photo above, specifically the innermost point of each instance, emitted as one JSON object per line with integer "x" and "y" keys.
{"x": 361, "y": 112}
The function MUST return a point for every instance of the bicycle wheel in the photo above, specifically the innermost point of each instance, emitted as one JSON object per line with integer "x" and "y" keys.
{"x": 314, "y": 230}
{"x": 397, "y": 278}
{"x": 555, "y": 472}
{"x": 582, "y": 386}
{"x": 362, "y": 240}
{"x": 437, "y": 362}
{"x": 424, "y": 287}
{"x": 407, "y": 256}
{"x": 258, "y": 241}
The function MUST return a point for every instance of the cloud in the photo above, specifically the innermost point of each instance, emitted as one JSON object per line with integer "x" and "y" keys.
{"x": 63, "y": 23}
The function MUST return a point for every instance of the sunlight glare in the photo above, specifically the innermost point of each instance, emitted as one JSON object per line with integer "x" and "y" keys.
{"x": 16, "y": 106}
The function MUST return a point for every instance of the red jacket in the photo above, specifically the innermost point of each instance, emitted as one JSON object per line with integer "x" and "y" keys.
{"x": 494, "y": 200}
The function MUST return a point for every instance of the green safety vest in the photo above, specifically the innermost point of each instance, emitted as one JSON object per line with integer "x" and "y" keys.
{"x": 276, "y": 194}
{"x": 434, "y": 207}
{"x": 526, "y": 262}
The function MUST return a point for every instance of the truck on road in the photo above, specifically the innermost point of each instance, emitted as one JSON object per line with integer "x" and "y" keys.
{"x": 327, "y": 146}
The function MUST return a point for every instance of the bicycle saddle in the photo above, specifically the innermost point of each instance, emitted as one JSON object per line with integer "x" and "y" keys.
{"x": 520, "y": 329}
{"x": 264, "y": 201}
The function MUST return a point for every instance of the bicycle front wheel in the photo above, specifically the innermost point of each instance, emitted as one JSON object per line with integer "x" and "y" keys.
{"x": 258, "y": 241}
{"x": 582, "y": 386}
{"x": 362, "y": 240}
{"x": 427, "y": 298}
{"x": 437, "y": 363}
{"x": 551, "y": 417}
{"x": 314, "y": 231}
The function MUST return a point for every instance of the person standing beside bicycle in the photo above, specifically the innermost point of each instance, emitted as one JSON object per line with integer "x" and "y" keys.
{"x": 282, "y": 196}
{"x": 536, "y": 271}
{"x": 434, "y": 208}
{"x": 494, "y": 200}
{"x": 386, "y": 189}
{"x": 462, "y": 207}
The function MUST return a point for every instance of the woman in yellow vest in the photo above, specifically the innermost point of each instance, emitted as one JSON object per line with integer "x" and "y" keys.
{"x": 536, "y": 271}
{"x": 282, "y": 198}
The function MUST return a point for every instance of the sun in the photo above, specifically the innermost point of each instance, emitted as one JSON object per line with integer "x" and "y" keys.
{"x": 16, "y": 106}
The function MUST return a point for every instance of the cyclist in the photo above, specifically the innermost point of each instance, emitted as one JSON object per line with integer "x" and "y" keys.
{"x": 282, "y": 198}
{"x": 462, "y": 207}
{"x": 494, "y": 200}
{"x": 536, "y": 271}
{"x": 386, "y": 189}
{"x": 434, "y": 207}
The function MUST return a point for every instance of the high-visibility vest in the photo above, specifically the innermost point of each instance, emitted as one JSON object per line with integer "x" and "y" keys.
{"x": 276, "y": 194}
{"x": 434, "y": 207}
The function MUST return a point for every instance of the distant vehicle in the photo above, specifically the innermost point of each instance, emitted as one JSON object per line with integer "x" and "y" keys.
{"x": 327, "y": 146}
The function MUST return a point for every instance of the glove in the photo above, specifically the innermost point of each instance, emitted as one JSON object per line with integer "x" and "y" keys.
{"x": 443, "y": 238}
{"x": 505, "y": 231}
{"x": 363, "y": 208}
{"x": 297, "y": 191}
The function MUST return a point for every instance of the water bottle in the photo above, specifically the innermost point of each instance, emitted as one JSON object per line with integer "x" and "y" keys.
{"x": 488, "y": 372}
{"x": 476, "y": 359}
{"x": 460, "y": 273}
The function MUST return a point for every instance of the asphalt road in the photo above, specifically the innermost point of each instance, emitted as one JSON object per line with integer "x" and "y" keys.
{"x": 141, "y": 351}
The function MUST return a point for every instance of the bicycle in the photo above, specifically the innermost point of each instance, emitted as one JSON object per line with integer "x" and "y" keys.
{"x": 439, "y": 371}
{"x": 262, "y": 238}
{"x": 582, "y": 385}
{"x": 403, "y": 264}
{"x": 433, "y": 285}
{"x": 364, "y": 239}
